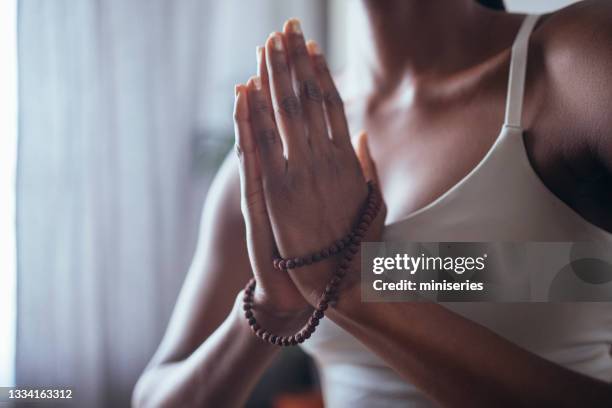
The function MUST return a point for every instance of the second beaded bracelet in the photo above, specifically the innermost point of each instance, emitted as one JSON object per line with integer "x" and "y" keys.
{"x": 349, "y": 247}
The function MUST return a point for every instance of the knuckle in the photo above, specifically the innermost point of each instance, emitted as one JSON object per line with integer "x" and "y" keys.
{"x": 290, "y": 106}
{"x": 333, "y": 99}
{"x": 320, "y": 65}
{"x": 298, "y": 50}
{"x": 279, "y": 66}
{"x": 260, "y": 107}
{"x": 266, "y": 137}
{"x": 310, "y": 90}
{"x": 326, "y": 162}
{"x": 278, "y": 189}
{"x": 297, "y": 178}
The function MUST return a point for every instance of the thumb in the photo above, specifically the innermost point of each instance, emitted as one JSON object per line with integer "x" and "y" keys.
{"x": 365, "y": 158}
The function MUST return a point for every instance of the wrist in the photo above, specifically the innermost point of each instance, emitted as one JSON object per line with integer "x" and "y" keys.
{"x": 270, "y": 317}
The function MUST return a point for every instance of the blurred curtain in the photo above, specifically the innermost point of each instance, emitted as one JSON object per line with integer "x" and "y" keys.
{"x": 125, "y": 113}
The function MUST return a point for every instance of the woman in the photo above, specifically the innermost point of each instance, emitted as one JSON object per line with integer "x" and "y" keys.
{"x": 433, "y": 109}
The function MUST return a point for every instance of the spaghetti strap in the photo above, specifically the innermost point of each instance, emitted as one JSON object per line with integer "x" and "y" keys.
{"x": 518, "y": 68}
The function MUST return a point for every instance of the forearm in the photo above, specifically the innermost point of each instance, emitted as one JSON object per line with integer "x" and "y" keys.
{"x": 453, "y": 359}
{"x": 221, "y": 372}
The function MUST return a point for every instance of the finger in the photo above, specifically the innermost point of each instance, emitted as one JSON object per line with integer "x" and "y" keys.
{"x": 334, "y": 107}
{"x": 365, "y": 159}
{"x": 262, "y": 72}
{"x": 368, "y": 166}
{"x": 265, "y": 134}
{"x": 287, "y": 108}
{"x": 252, "y": 197}
{"x": 307, "y": 85}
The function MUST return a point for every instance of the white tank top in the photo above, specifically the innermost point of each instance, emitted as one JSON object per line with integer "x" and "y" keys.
{"x": 501, "y": 200}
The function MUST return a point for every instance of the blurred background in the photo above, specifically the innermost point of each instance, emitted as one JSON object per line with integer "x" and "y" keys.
{"x": 124, "y": 115}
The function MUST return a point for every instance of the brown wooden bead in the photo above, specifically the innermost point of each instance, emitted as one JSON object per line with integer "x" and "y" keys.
{"x": 348, "y": 245}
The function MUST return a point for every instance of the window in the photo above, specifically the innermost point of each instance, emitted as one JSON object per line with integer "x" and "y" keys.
{"x": 8, "y": 155}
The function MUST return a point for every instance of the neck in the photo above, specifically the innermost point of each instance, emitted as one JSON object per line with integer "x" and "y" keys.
{"x": 416, "y": 40}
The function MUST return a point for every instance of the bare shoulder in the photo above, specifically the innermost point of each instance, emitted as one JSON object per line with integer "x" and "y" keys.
{"x": 576, "y": 52}
{"x": 583, "y": 29}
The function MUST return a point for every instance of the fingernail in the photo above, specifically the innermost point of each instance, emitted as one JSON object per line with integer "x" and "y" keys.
{"x": 313, "y": 47}
{"x": 277, "y": 42}
{"x": 294, "y": 26}
{"x": 236, "y": 89}
{"x": 259, "y": 53}
{"x": 364, "y": 137}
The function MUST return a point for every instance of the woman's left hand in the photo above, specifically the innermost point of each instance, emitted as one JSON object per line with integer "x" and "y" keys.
{"x": 314, "y": 183}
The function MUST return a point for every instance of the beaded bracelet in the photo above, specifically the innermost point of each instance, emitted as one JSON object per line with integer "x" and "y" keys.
{"x": 350, "y": 246}
{"x": 340, "y": 244}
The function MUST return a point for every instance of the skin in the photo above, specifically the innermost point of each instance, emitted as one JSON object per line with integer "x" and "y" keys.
{"x": 208, "y": 356}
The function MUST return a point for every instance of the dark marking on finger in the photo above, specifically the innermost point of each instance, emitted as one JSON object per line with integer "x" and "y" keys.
{"x": 267, "y": 138}
{"x": 279, "y": 67}
{"x": 332, "y": 98}
{"x": 320, "y": 64}
{"x": 260, "y": 106}
{"x": 298, "y": 51}
{"x": 290, "y": 106}
{"x": 311, "y": 91}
